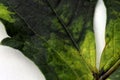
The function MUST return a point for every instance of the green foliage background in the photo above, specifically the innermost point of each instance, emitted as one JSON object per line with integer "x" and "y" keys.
{"x": 37, "y": 32}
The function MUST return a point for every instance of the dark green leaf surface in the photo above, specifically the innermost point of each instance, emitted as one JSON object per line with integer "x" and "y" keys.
{"x": 111, "y": 52}
{"x": 61, "y": 53}
{"x": 39, "y": 33}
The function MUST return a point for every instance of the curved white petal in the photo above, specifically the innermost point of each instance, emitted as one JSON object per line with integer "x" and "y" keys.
{"x": 3, "y": 33}
{"x": 14, "y": 65}
{"x": 99, "y": 25}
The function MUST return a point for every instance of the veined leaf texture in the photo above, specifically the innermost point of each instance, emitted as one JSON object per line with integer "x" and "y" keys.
{"x": 60, "y": 36}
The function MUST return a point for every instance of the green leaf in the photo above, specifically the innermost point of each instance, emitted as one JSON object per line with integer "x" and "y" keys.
{"x": 111, "y": 52}
{"x": 5, "y": 14}
{"x": 115, "y": 75}
{"x": 49, "y": 44}
{"x": 72, "y": 63}
{"x": 62, "y": 55}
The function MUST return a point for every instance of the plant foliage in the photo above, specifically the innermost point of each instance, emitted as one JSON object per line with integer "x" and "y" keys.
{"x": 58, "y": 36}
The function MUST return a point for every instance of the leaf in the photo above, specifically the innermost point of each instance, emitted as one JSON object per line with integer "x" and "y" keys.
{"x": 62, "y": 55}
{"x": 62, "y": 58}
{"x": 111, "y": 53}
{"x": 5, "y": 14}
{"x": 115, "y": 75}
{"x": 71, "y": 61}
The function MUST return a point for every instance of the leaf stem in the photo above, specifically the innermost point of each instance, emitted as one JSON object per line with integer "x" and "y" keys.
{"x": 111, "y": 70}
